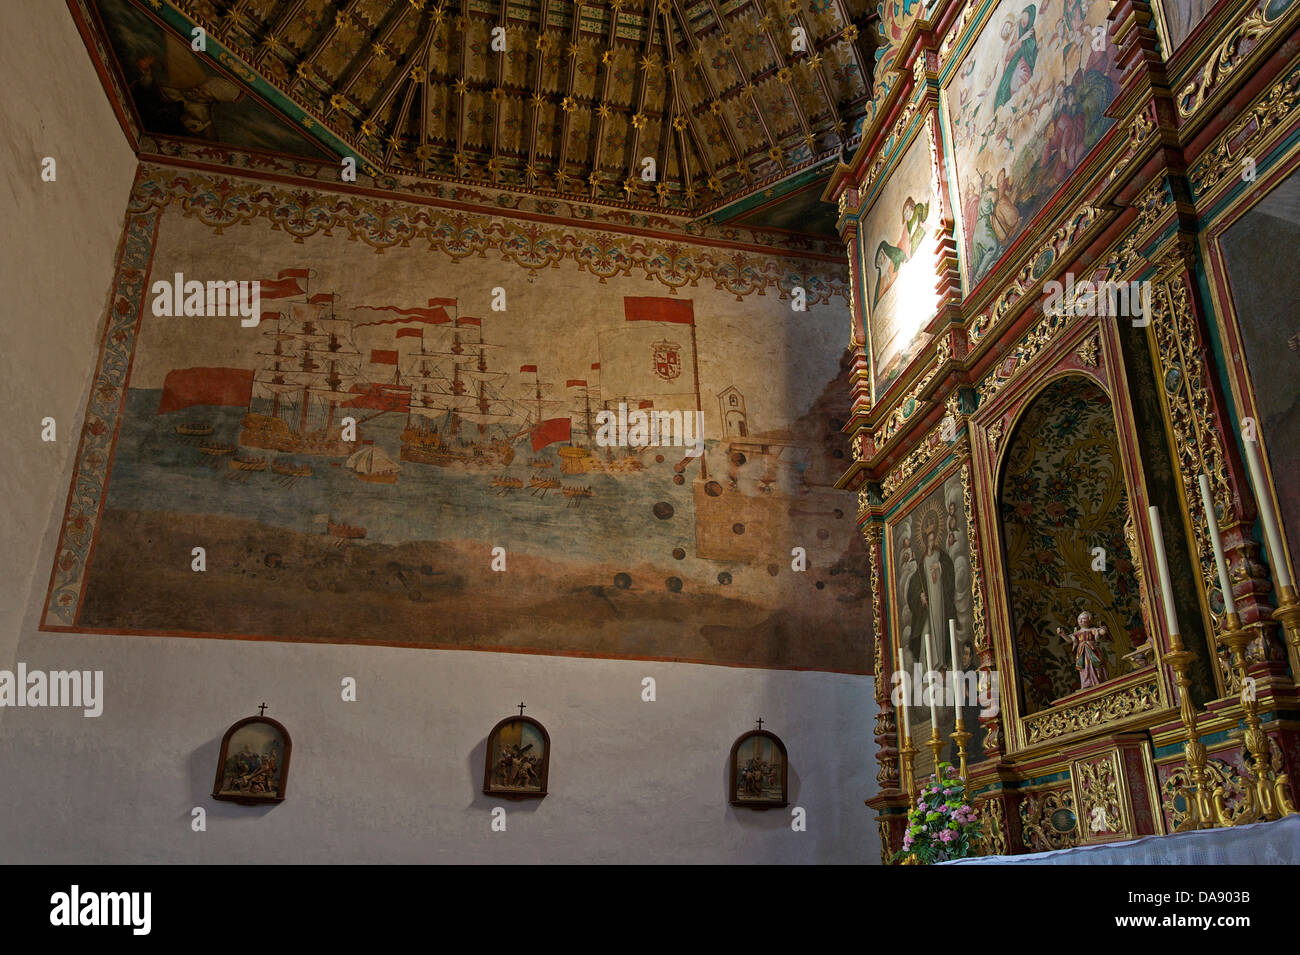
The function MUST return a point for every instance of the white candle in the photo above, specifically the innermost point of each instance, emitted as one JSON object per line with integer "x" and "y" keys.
{"x": 902, "y": 683}
{"x": 1162, "y": 568}
{"x": 1212, "y": 522}
{"x": 929, "y": 669}
{"x": 1267, "y": 517}
{"x": 955, "y": 682}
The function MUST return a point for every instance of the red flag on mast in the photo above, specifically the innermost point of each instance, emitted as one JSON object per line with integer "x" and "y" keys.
{"x": 550, "y": 431}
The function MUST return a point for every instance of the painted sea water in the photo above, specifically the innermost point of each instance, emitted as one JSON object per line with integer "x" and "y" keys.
{"x": 157, "y": 469}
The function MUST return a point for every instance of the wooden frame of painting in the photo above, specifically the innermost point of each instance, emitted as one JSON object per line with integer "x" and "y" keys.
{"x": 1261, "y": 388}
{"x": 519, "y": 773}
{"x": 755, "y": 785}
{"x": 897, "y": 232}
{"x": 251, "y": 777}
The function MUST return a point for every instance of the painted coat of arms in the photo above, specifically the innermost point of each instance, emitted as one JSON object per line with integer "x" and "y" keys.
{"x": 667, "y": 360}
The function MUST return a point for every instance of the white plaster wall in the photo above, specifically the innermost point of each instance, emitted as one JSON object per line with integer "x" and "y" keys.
{"x": 395, "y": 776}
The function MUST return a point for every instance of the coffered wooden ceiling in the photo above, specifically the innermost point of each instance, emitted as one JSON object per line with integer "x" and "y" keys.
{"x": 720, "y": 94}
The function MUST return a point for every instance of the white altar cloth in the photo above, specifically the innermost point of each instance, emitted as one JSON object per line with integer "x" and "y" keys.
{"x": 1263, "y": 843}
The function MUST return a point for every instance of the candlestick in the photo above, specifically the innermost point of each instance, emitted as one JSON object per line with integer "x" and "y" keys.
{"x": 1220, "y": 561}
{"x": 1162, "y": 568}
{"x": 902, "y": 685}
{"x": 1267, "y": 795}
{"x": 929, "y": 673}
{"x": 1267, "y": 517}
{"x": 954, "y": 681}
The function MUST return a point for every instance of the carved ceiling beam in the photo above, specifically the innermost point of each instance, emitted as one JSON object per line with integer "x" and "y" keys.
{"x": 393, "y": 141}
{"x": 305, "y": 61}
{"x": 747, "y": 85}
{"x": 499, "y": 96}
{"x": 414, "y": 65}
{"x": 786, "y": 76}
{"x": 270, "y": 40}
{"x": 543, "y": 43}
{"x": 682, "y": 119}
{"x": 603, "y": 110}
{"x": 696, "y": 54}
{"x": 639, "y": 119}
{"x": 562, "y": 169}
{"x": 462, "y": 23}
{"x": 850, "y": 36}
{"x": 813, "y": 61}
{"x": 377, "y": 46}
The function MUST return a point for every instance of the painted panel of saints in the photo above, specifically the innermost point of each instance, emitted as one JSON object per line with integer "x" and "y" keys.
{"x": 931, "y": 582}
{"x": 1026, "y": 106}
{"x": 901, "y": 260}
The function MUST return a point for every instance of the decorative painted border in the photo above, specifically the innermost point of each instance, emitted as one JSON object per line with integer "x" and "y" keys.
{"x": 221, "y": 202}
{"x": 103, "y": 418}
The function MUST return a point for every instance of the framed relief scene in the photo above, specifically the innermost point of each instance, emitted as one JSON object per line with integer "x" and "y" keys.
{"x": 254, "y": 763}
{"x": 518, "y": 759}
{"x": 759, "y": 770}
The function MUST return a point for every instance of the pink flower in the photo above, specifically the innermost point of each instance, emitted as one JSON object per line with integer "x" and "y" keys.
{"x": 946, "y": 835}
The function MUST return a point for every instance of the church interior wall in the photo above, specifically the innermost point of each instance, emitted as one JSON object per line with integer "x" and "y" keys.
{"x": 393, "y": 776}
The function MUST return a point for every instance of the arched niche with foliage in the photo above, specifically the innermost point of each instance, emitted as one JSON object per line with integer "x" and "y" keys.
{"x": 1063, "y": 505}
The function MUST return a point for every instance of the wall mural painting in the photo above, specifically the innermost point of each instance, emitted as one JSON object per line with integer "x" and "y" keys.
{"x": 526, "y": 429}
{"x": 930, "y": 552}
{"x": 1264, "y": 297}
{"x": 1026, "y": 106}
{"x": 1063, "y": 494}
{"x": 177, "y": 93}
{"x": 901, "y": 256}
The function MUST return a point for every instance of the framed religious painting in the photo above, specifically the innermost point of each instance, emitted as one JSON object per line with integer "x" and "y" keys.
{"x": 518, "y": 760}
{"x": 1022, "y": 111}
{"x": 253, "y": 766}
{"x": 930, "y": 577}
{"x": 899, "y": 260}
{"x": 759, "y": 771}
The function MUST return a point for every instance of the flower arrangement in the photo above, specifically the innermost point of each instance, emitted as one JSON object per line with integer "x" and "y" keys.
{"x": 942, "y": 825}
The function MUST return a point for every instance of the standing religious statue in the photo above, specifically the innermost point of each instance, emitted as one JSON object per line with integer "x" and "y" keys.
{"x": 1086, "y": 644}
{"x": 931, "y": 594}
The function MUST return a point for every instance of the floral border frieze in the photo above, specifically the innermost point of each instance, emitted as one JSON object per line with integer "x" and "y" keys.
{"x": 221, "y": 202}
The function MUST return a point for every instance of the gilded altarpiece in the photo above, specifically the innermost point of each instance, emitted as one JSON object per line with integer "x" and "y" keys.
{"x": 1157, "y": 183}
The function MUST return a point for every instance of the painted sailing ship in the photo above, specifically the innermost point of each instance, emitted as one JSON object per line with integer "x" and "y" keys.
{"x": 456, "y": 416}
{"x": 309, "y": 364}
{"x": 373, "y": 465}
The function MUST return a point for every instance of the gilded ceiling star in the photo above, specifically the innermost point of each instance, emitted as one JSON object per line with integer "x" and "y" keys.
{"x": 462, "y": 87}
{"x": 538, "y": 101}
{"x": 569, "y": 104}
{"x": 850, "y": 32}
{"x": 498, "y": 94}
{"x": 814, "y": 60}
{"x": 368, "y": 128}
{"x": 679, "y": 123}
{"x": 715, "y": 107}
{"x": 783, "y": 74}
{"x": 774, "y": 154}
{"x": 607, "y": 57}
{"x": 337, "y": 101}
{"x": 603, "y": 110}
{"x": 574, "y": 50}
{"x": 715, "y": 184}
{"x": 418, "y": 74}
{"x": 629, "y": 186}
{"x": 543, "y": 42}
{"x": 639, "y": 120}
